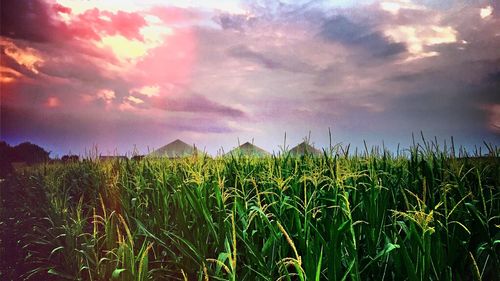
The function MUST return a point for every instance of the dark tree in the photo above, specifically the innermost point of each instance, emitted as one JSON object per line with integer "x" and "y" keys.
{"x": 5, "y": 159}
{"x": 29, "y": 153}
{"x": 70, "y": 158}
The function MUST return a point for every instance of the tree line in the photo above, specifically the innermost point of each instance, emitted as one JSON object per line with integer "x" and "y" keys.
{"x": 26, "y": 152}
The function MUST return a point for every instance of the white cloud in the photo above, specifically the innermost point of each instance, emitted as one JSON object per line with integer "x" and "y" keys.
{"x": 126, "y": 106}
{"x": 154, "y": 32}
{"x": 134, "y": 100}
{"x": 393, "y": 7}
{"x": 122, "y": 47}
{"x": 418, "y": 37}
{"x": 486, "y": 12}
{"x": 106, "y": 95}
{"x": 149, "y": 91}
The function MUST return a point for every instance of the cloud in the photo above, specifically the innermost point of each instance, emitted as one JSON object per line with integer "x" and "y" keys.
{"x": 134, "y": 100}
{"x": 394, "y": 7}
{"x": 238, "y": 22}
{"x": 451, "y": 99}
{"x": 149, "y": 91}
{"x": 368, "y": 71}
{"x": 342, "y": 30}
{"x": 243, "y": 51}
{"x": 27, "y": 57}
{"x": 80, "y": 131}
{"x": 195, "y": 104}
{"x": 175, "y": 15}
{"x": 61, "y": 9}
{"x": 8, "y": 75}
{"x": 273, "y": 59}
{"x": 171, "y": 61}
{"x": 91, "y": 24}
{"x": 418, "y": 38}
{"x": 486, "y": 12}
{"x": 28, "y": 14}
{"x": 106, "y": 95}
{"x": 53, "y": 102}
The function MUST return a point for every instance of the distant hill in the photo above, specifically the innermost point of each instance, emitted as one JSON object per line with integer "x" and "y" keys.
{"x": 248, "y": 149}
{"x": 175, "y": 149}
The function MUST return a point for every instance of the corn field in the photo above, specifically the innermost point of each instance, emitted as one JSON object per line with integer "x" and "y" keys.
{"x": 424, "y": 214}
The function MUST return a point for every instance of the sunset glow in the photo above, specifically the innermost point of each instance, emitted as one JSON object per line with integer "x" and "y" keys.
{"x": 27, "y": 57}
{"x": 8, "y": 75}
{"x": 148, "y": 91}
{"x": 53, "y": 102}
{"x": 213, "y": 72}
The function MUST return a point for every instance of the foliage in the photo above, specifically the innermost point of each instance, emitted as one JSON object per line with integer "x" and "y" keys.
{"x": 24, "y": 152}
{"x": 422, "y": 215}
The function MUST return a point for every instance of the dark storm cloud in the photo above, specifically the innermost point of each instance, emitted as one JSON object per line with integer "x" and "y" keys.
{"x": 489, "y": 70}
{"x": 235, "y": 22}
{"x": 36, "y": 21}
{"x": 493, "y": 77}
{"x": 442, "y": 113}
{"x": 343, "y": 30}
{"x": 370, "y": 82}
{"x": 448, "y": 100}
{"x": 27, "y": 19}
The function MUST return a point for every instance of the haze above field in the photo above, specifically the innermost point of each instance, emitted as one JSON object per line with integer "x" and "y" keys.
{"x": 125, "y": 73}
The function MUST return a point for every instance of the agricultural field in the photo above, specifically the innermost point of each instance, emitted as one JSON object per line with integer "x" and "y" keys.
{"x": 423, "y": 214}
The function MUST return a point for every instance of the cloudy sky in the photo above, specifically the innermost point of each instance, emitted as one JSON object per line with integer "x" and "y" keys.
{"x": 119, "y": 74}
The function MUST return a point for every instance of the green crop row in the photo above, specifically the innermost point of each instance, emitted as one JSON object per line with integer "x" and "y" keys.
{"x": 375, "y": 216}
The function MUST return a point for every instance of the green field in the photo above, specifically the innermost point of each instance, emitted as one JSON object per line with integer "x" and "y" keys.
{"x": 420, "y": 215}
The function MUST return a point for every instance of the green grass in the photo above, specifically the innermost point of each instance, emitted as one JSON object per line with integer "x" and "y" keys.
{"x": 371, "y": 216}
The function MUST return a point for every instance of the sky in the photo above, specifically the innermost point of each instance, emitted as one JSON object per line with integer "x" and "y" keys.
{"x": 136, "y": 75}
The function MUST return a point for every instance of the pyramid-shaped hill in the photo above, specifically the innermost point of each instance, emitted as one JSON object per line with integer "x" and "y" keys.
{"x": 248, "y": 149}
{"x": 304, "y": 148}
{"x": 175, "y": 149}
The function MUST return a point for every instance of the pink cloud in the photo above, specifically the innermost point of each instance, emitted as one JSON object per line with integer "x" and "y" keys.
{"x": 61, "y": 9}
{"x": 53, "y": 102}
{"x": 172, "y": 62}
{"x": 173, "y": 15}
{"x": 91, "y": 23}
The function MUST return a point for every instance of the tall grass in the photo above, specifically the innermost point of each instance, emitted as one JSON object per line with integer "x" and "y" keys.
{"x": 420, "y": 215}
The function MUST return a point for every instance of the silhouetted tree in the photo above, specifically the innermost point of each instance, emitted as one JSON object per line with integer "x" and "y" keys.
{"x": 5, "y": 159}
{"x": 70, "y": 158}
{"x": 29, "y": 153}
